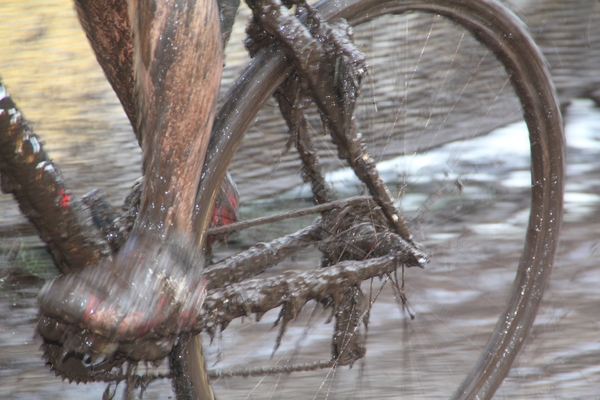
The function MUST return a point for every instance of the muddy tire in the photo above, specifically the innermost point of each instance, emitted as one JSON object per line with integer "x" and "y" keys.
{"x": 396, "y": 123}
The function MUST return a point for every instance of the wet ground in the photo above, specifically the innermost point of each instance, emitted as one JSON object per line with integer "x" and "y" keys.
{"x": 455, "y": 303}
{"x": 456, "y": 300}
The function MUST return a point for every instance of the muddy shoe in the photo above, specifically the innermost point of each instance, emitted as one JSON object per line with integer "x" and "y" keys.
{"x": 136, "y": 304}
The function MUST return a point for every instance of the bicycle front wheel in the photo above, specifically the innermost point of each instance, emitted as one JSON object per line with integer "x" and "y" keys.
{"x": 442, "y": 73}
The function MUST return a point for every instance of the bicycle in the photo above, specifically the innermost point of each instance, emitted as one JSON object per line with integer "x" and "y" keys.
{"x": 546, "y": 198}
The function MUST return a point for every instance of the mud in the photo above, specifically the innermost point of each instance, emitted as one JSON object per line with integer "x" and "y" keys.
{"x": 454, "y": 304}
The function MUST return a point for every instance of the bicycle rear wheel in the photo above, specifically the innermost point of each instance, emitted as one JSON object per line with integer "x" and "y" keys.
{"x": 424, "y": 104}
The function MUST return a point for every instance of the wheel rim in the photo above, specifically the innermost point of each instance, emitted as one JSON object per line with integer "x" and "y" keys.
{"x": 547, "y": 167}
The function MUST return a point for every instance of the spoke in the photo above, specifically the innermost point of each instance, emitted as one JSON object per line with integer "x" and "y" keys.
{"x": 238, "y": 226}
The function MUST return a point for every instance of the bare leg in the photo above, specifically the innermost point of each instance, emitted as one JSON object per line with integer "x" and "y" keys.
{"x": 107, "y": 27}
{"x": 145, "y": 296}
{"x": 177, "y": 79}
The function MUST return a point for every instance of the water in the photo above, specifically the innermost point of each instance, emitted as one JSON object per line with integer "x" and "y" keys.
{"x": 559, "y": 360}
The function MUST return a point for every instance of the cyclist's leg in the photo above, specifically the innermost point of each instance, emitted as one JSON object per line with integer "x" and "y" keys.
{"x": 107, "y": 27}
{"x": 177, "y": 62}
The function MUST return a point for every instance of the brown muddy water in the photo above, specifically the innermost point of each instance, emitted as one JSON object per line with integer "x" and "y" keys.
{"x": 47, "y": 66}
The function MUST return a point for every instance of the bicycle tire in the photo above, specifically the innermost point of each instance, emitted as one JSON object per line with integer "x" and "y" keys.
{"x": 505, "y": 36}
